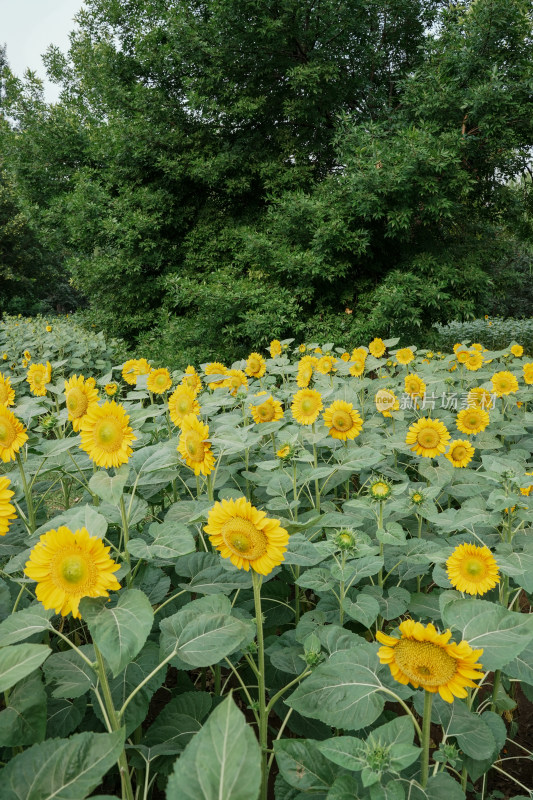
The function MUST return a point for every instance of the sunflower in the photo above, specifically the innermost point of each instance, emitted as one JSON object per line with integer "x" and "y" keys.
{"x": 404, "y": 356}
{"x": 326, "y": 364}
{"x": 343, "y": 421}
{"x": 7, "y": 393}
{"x": 359, "y": 352}
{"x": 460, "y": 452}
{"x": 48, "y": 329}
{"x": 38, "y": 376}
{"x": 472, "y": 569}
{"x": 285, "y": 451}
{"x": 192, "y": 379}
{"x": 246, "y": 535}
{"x": 275, "y": 348}
{"x": 429, "y": 437}
{"x": 386, "y": 401}
{"x": 236, "y": 380}
{"x": 504, "y": 383}
{"x": 68, "y": 566}
{"x": 414, "y": 386}
{"x": 306, "y": 406}
{"x": 111, "y": 389}
{"x": 143, "y": 367}
{"x": 129, "y": 371}
{"x": 380, "y": 489}
{"x": 426, "y": 658}
{"x": 27, "y": 355}
{"x": 256, "y": 365}
{"x": 517, "y": 350}
{"x": 269, "y": 411}
{"x": 215, "y": 368}
{"x": 527, "y": 491}
{"x": 194, "y": 446}
{"x": 474, "y": 361}
{"x": 528, "y": 372}
{"x": 7, "y": 511}
{"x": 457, "y": 346}
{"x": 80, "y": 395}
{"x": 159, "y": 381}
{"x": 478, "y": 397}
{"x": 462, "y": 356}
{"x": 472, "y": 420}
{"x": 357, "y": 364}
{"x": 418, "y": 498}
{"x": 12, "y": 434}
{"x": 306, "y": 367}
{"x": 106, "y": 436}
{"x": 302, "y": 348}
{"x": 345, "y": 356}
{"x": 181, "y": 403}
{"x": 377, "y": 347}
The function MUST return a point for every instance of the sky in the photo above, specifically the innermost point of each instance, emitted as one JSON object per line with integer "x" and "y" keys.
{"x": 28, "y": 27}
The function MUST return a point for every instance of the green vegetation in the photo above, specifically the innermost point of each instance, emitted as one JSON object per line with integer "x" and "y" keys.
{"x": 218, "y": 173}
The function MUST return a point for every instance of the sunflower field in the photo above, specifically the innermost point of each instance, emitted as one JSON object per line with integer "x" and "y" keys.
{"x": 307, "y": 575}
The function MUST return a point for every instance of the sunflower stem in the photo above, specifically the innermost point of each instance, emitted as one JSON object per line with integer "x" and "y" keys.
{"x": 426, "y": 726}
{"x": 317, "y": 485}
{"x": 495, "y": 689}
{"x": 125, "y": 540}
{"x": 210, "y": 492}
{"x": 263, "y": 713}
{"x": 28, "y": 495}
{"x": 127, "y": 790}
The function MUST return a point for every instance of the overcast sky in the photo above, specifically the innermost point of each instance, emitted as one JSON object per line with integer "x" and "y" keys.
{"x": 27, "y": 27}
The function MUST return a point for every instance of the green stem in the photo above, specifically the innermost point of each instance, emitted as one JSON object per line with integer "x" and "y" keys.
{"x": 127, "y": 790}
{"x": 28, "y": 495}
{"x": 144, "y": 682}
{"x": 210, "y": 488}
{"x": 426, "y": 725}
{"x": 317, "y": 484}
{"x": 495, "y": 688}
{"x": 125, "y": 532}
{"x": 263, "y": 713}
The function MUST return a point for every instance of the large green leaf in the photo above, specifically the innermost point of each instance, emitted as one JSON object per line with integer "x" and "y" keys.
{"x": 222, "y": 762}
{"x": 344, "y": 692}
{"x": 20, "y": 660}
{"x": 61, "y": 769}
{"x": 109, "y": 489}
{"x": 120, "y": 630}
{"x": 501, "y": 633}
{"x": 169, "y": 541}
{"x": 23, "y": 721}
{"x": 23, "y": 624}
{"x": 303, "y": 765}
{"x": 69, "y": 675}
{"x": 177, "y": 723}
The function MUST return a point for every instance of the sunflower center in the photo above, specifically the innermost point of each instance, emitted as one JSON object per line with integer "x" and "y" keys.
{"x": 108, "y": 434}
{"x": 425, "y": 662}
{"x": 266, "y": 412}
{"x": 243, "y": 538}
{"x": 38, "y": 378}
{"x": 184, "y": 405}
{"x": 308, "y": 405}
{"x": 459, "y": 452}
{"x": 73, "y": 572}
{"x": 160, "y": 380}
{"x": 341, "y": 420}
{"x": 7, "y": 433}
{"x": 194, "y": 445}
{"x": 77, "y": 402}
{"x": 380, "y": 489}
{"x": 428, "y": 437}
{"x": 474, "y": 568}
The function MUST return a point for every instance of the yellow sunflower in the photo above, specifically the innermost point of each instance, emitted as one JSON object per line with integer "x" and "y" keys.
{"x": 306, "y": 367}
{"x": 302, "y": 348}
{"x": 106, "y": 436}
{"x": 143, "y": 367}
{"x": 428, "y": 437}
{"x": 275, "y": 348}
{"x": 386, "y": 401}
{"x": 181, "y": 403}
{"x": 358, "y": 352}
{"x": 357, "y": 365}
{"x": 517, "y": 350}
{"x": 404, "y": 356}
{"x": 414, "y": 386}
{"x": 474, "y": 361}
{"x": 462, "y": 356}
{"x": 504, "y": 383}
{"x": 478, "y": 397}
{"x": 284, "y": 451}
{"x": 472, "y": 420}
{"x": 111, "y": 389}
{"x": 377, "y": 347}
{"x": 528, "y": 372}
{"x": 27, "y": 355}
{"x": 129, "y": 371}
{"x": 194, "y": 446}
{"x": 306, "y": 406}
{"x": 216, "y": 368}
{"x": 80, "y": 395}
{"x": 345, "y": 356}
{"x": 246, "y": 535}
{"x": 159, "y": 381}
{"x": 269, "y": 411}
{"x": 256, "y": 365}
{"x": 12, "y": 434}
{"x": 236, "y": 380}
{"x": 48, "y": 329}
{"x": 472, "y": 569}
{"x": 526, "y": 492}
{"x": 7, "y": 511}
{"x": 380, "y": 489}
{"x": 457, "y": 346}
{"x": 426, "y": 658}
{"x": 38, "y": 376}
{"x": 7, "y": 393}
{"x": 68, "y": 566}
{"x": 192, "y": 379}
{"x": 326, "y": 364}
{"x": 343, "y": 421}
{"x": 460, "y": 452}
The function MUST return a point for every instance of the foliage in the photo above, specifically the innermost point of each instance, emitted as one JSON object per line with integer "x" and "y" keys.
{"x": 493, "y": 332}
{"x": 370, "y": 160}
{"x": 196, "y": 676}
